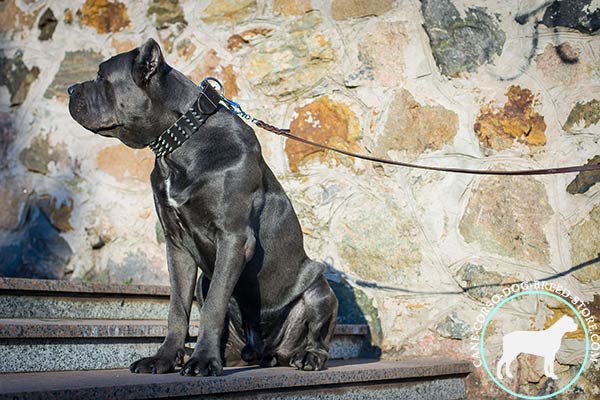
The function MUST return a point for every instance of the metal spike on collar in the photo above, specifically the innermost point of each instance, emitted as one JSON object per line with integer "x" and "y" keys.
{"x": 174, "y": 137}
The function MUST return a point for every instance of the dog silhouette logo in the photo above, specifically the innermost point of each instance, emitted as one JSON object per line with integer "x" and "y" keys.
{"x": 543, "y": 343}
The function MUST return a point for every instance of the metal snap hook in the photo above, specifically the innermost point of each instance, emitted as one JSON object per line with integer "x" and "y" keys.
{"x": 208, "y": 79}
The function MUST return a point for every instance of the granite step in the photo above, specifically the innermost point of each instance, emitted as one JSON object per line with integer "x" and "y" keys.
{"x": 28, "y": 345}
{"x": 50, "y": 325}
{"x": 29, "y": 328}
{"x": 36, "y": 298}
{"x": 431, "y": 378}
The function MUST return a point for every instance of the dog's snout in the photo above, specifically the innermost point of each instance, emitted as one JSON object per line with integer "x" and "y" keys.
{"x": 71, "y": 89}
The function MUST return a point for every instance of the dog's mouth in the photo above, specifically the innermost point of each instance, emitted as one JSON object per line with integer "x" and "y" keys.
{"x": 104, "y": 131}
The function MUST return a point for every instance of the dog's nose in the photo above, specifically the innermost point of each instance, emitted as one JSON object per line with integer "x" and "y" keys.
{"x": 71, "y": 89}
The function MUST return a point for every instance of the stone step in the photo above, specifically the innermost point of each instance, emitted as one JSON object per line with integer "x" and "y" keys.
{"x": 11, "y": 328}
{"x": 49, "y": 325}
{"x": 28, "y": 345}
{"x": 432, "y": 379}
{"x": 36, "y": 298}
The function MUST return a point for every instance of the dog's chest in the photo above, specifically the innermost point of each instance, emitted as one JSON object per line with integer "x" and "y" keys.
{"x": 187, "y": 218}
{"x": 170, "y": 198}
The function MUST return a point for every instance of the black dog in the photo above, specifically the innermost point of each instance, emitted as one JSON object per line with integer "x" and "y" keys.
{"x": 262, "y": 299}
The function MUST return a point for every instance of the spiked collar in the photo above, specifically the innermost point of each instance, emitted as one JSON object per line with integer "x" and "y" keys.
{"x": 172, "y": 138}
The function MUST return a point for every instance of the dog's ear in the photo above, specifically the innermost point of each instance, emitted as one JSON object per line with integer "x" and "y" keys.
{"x": 148, "y": 62}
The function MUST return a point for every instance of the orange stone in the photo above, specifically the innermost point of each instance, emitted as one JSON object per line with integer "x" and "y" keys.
{"x": 104, "y": 15}
{"x": 237, "y": 40}
{"x": 68, "y": 16}
{"x": 11, "y": 17}
{"x": 186, "y": 49}
{"x": 59, "y": 213}
{"x": 345, "y": 9}
{"x": 122, "y": 46}
{"x": 327, "y": 122}
{"x": 414, "y": 128}
{"x": 292, "y": 7}
{"x": 558, "y": 311}
{"x": 211, "y": 66}
{"x": 229, "y": 81}
{"x": 125, "y": 163}
{"x": 228, "y": 11}
{"x": 497, "y": 128}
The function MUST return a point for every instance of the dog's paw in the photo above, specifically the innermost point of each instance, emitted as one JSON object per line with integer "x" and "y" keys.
{"x": 157, "y": 364}
{"x": 268, "y": 362}
{"x": 309, "y": 360}
{"x": 202, "y": 365}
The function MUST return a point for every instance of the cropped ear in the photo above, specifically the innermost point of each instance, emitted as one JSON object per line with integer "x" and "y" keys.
{"x": 148, "y": 61}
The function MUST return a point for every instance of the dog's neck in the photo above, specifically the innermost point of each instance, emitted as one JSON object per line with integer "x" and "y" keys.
{"x": 202, "y": 107}
{"x": 182, "y": 91}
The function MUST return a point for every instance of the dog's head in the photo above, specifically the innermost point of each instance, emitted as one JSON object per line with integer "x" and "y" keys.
{"x": 129, "y": 99}
{"x": 568, "y": 324}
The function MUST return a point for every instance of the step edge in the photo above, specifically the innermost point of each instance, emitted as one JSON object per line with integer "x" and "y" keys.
{"x": 55, "y": 287}
{"x": 283, "y": 378}
{"x": 21, "y": 328}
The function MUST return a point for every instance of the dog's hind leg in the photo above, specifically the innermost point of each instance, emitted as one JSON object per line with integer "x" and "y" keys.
{"x": 317, "y": 320}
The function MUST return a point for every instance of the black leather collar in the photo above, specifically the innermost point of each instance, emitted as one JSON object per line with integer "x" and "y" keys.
{"x": 171, "y": 139}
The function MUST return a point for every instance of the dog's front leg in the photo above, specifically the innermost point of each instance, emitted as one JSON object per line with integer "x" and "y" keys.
{"x": 182, "y": 276}
{"x": 233, "y": 251}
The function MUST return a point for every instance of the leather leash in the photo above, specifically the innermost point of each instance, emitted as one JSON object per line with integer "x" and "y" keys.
{"x": 236, "y": 109}
{"x": 547, "y": 171}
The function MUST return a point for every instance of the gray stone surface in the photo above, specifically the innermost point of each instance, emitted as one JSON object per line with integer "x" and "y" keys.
{"x": 439, "y": 389}
{"x": 34, "y": 298}
{"x": 40, "y": 153}
{"x": 35, "y": 248}
{"x": 586, "y": 179}
{"x": 60, "y": 286}
{"x": 429, "y": 378}
{"x": 575, "y": 14}
{"x": 135, "y": 264}
{"x": 47, "y": 25}
{"x": 461, "y": 44}
{"x": 346, "y": 347}
{"x": 478, "y": 282}
{"x": 84, "y": 328}
{"x": 28, "y": 328}
{"x": 54, "y": 345}
{"x": 453, "y": 327}
{"x": 17, "y": 77}
{"x": 77, "y": 66}
{"x": 8, "y": 133}
{"x": 72, "y": 355}
{"x": 84, "y": 307}
{"x": 22, "y": 298}
{"x": 165, "y": 13}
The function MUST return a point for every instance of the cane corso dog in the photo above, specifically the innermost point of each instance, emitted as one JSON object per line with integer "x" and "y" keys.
{"x": 263, "y": 301}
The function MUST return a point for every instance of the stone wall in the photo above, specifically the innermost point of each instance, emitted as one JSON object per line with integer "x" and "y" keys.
{"x": 472, "y": 84}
